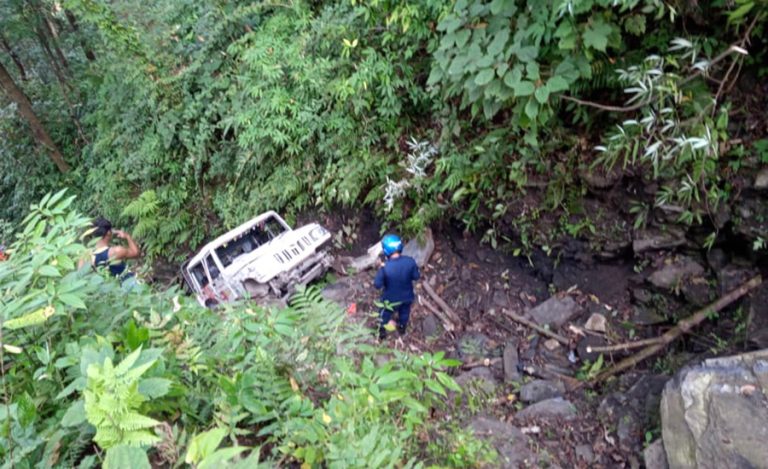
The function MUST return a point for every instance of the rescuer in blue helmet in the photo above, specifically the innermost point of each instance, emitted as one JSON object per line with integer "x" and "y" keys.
{"x": 395, "y": 276}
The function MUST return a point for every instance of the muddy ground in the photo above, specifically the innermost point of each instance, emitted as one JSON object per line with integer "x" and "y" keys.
{"x": 615, "y": 420}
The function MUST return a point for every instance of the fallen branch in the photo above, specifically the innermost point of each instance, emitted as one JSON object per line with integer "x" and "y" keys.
{"x": 517, "y": 318}
{"x": 477, "y": 363}
{"x": 543, "y": 373}
{"x": 624, "y": 346}
{"x": 681, "y": 328}
{"x": 441, "y": 303}
{"x": 447, "y": 324}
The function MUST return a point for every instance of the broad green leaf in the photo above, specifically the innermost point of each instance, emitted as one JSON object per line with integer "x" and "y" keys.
{"x": 532, "y": 109}
{"x": 524, "y": 88}
{"x": 49, "y": 271}
{"x": 462, "y": 37}
{"x": 484, "y": 77}
{"x": 557, "y": 83}
{"x": 532, "y": 71}
{"x": 542, "y": 94}
{"x": 34, "y": 318}
{"x": 72, "y": 300}
{"x": 204, "y": 445}
{"x": 154, "y": 387}
{"x": 596, "y": 34}
{"x": 75, "y": 414}
{"x": 498, "y": 43}
{"x": 124, "y": 457}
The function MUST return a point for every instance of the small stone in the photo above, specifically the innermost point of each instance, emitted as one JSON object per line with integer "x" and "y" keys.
{"x": 430, "y": 326}
{"x": 654, "y": 455}
{"x": 540, "y": 389}
{"x": 674, "y": 273}
{"x": 643, "y": 316}
{"x": 761, "y": 180}
{"x": 551, "y": 344}
{"x": 596, "y": 322}
{"x": 500, "y": 299}
{"x": 549, "y": 409}
{"x": 555, "y": 311}
{"x": 585, "y": 453}
{"x": 510, "y": 361}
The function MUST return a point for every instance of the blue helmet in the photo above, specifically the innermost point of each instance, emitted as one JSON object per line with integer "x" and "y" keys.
{"x": 391, "y": 244}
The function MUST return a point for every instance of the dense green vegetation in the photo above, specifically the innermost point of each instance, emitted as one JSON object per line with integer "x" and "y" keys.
{"x": 178, "y": 118}
{"x": 179, "y": 114}
{"x": 88, "y": 360}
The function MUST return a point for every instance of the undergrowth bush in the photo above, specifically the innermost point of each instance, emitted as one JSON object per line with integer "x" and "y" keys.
{"x": 95, "y": 372}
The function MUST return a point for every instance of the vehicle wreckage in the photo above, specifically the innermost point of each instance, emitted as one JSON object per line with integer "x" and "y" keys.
{"x": 263, "y": 259}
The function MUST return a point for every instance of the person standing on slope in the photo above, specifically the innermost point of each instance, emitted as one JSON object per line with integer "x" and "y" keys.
{"x": 112, "y": 257}
{"x": 395, "y": 277}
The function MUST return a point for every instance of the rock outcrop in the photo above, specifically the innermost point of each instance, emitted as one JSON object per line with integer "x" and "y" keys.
{"x": 715, "y": 415}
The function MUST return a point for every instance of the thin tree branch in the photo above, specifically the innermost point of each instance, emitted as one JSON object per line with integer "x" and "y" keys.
{"x": 517, "y": 318}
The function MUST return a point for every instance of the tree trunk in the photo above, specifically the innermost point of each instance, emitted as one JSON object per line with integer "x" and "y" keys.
{"x": 76, "y": 29}
{"x": 57, "y": 71}
{"x": 25, "y": 109}
{"x": 51, "y": 29}
{"x": 14, "y": 57}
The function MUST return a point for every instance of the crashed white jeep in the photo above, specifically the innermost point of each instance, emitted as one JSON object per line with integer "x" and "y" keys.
{"x": 263, "y": 259}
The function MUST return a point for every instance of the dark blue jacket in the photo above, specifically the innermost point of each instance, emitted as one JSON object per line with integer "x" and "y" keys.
{"x": 396, "y": 278}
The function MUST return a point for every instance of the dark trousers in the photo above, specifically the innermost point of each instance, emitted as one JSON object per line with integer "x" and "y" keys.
{"x": 403, "y": 311}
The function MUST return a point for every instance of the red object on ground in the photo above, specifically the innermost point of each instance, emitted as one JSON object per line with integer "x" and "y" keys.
{"x": 352, "y": 310}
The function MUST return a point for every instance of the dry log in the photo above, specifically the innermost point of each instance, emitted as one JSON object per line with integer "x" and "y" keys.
{"x": 681, "y": 328}
{"x": 448, "y": 325}
{"x": 624, "y": 346}
{"x": 441, "y": 303}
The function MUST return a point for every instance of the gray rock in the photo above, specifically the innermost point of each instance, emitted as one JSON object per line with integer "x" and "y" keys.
{"x": 643, "y": 316}
{"x": 698, "y": 291}
{"x": 342, "y": 292}
{"x": 761, "y": 180}
{"x": 549, "y": 409}
{"x": 420, "y": 249}
{"x": 510, "y": 443}
{"x": 654, "y": 455}
{"x": 653, "y": 239}
{"x": 555, "y": 311}
{"x": 500, "y": 299}
{"x": 732, "y": 276}
{"x": 757, "y": 319}
{"x": 631, "y": 411}
{"x": 585, "y": 453}
{"x": 477, "y": 379}
{"x": 430, "y": 326}
{"x": 473, "y": 346}
{"x": 716, "y": 414}
{"x": 596, "y": 322}
{"x": 540, "y": 390}
{"x": 717, "y": 259}
{"x": 673, "y": 274}
{"x": 510, "y": 360}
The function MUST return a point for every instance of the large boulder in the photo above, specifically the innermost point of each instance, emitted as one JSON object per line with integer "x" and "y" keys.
{"x": 420, "y": 248}
{"x": 715, "y": 415}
